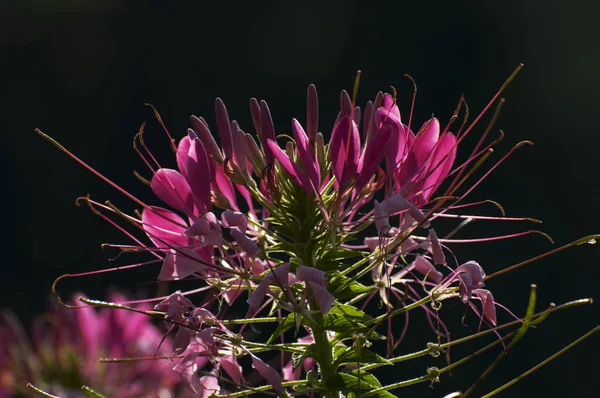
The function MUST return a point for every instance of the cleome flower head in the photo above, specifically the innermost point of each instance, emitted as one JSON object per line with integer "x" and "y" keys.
{"x": 303, "y": 228}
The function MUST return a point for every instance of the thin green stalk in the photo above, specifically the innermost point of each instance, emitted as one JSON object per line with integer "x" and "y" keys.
{"x": 546, "y": 361}
{"x": 267, "y": 387}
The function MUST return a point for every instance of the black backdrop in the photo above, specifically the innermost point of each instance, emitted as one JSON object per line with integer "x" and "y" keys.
{"x": 82, "y": 73}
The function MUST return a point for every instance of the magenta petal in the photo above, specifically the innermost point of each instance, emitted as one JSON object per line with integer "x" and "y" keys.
{"x": 322, "y": 297}
{"x": 223, "y": 184}
{"x": 396, "y": 204}
{"x": 345, "y": 104}
{"x": 306, "y": 153}
{"x": 267, "y": 130}
{"x": 345, "y": 150}
{"x": 180, "y": 264}
{"x": 239, "y": 146}
{"x": 488, "y": 303}
{"x": 372, "y": 155}
{"x": 181, "y": 340}
{"x": 181, "y": 156}
{"x": 230, "y": 364}
{"x": 164, "y": 228}
{"x": 235, "y": 219}
{"x": 312, "y": 113}
{"x": 208, "y": 141}
{"x": 172, "y": 188}
{"x": 426, "y": 140}
{"x": 390, "y": 105}
{"x": 310, "y": 274}
{"x": 224, "y": 128}
{"x": 424, "y": 267}
{"x": 206, "y": 229}
{"x": 247, "y": 245}
{"x": 292, "y": 168}
{"x": 258, "y": 295}
{"x": 199, "y": 175}
{"x": 210, "y": 386}
{"x": 268, "y": 373}
{"x": 440, "y": 164}
{"x": 382, "y": 219}
{"x": 436, "y": 249}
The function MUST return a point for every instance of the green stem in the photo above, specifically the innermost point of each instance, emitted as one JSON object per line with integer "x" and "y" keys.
{"x": 325, "y": 359}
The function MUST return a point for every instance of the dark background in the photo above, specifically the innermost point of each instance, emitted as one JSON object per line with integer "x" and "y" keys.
{"x": 82, "y": 73}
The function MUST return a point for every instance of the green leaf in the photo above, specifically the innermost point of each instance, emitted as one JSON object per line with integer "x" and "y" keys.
{"x": 351, "y": 288}
{"x": 351, "y": 312}
{"x": 338, "y": 322}
{"x": 362, "y": 356}
{"x": 349, "y": 383}
{"x": 285, "y": 325}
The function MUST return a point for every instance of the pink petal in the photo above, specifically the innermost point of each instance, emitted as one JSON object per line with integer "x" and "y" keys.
{"x": 206, "y": 229}
{"x": 322, "y": 297}
{"x": 230, "y": 364}
{"x": 440, "y": 164}
{"x": 372, "y": 155}
{"x": 182, "y": 340}
{"x": 396, "y": 204}
{"x": 164, "y": 228}
{"x": 224, "y": 127}
{"x": 292, "y": 168}
{"x": 210, "y": 386}
{"x": 310, "y": 274}
{"x": 172, "y": 188}
{"x": 312, "y": 113}
{"x": 306, "y": 153}
{"x": 345, "y": 103}
{"x": 199, "y": 175}
{"x": 345, "y": 150}
{"x": 181, "y": 156}
{"x": 424, "y": 267}
{"x": 208, "y": 142}
{"x": 488, "y": 303}
{"x": 436, "y": 249}
{"x": 390, "y": 106}
{"x": 235, "y": 219}
{"x": 267, "y": 130}
{"x": 223, "y": 184}
{"x": 239, "y": 146}
{"x": 181, "y": 264}
{"x": 426, "y": 140}
{"x": 247, "y": 245}
{"x": 382, "y": 220}
{"x": 268, "y": 373}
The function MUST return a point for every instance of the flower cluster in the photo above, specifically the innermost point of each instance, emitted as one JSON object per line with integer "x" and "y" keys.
{"x": 302, "y": 233}
{"x": 62, "y": 354}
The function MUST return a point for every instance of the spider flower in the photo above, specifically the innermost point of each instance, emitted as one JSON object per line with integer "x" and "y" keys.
{"x": 296, "y": 228}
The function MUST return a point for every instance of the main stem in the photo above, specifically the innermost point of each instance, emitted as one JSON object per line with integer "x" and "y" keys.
{"x": 325, "y": 355}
